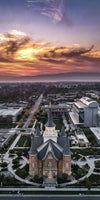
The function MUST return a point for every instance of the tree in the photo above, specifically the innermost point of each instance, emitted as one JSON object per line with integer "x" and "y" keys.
{"x": 36, "y": 178}
{"x": 4, "y": 164}
{"x": 19, "y": 153}
{"x": 64, "y": 177}
{"x": 88, "y": 183}
{"x": 80, "y": 172}
{"x": 22, "y": 173}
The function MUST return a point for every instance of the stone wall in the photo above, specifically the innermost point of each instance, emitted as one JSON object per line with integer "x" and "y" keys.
{"x": 33, "y": 165}
{"x": 50, "y": 166}
{"x": 67, "y": 164}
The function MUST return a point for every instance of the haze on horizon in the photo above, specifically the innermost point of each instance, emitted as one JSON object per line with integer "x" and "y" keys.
{"x": 47, "y": 37}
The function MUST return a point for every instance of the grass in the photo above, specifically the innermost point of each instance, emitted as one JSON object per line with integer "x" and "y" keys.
{"x": 6, "y": 146}
{"x": 51, "y": 192}
{"x": 87, "y": 152}
{"x": 7, "y": 126}
{"x": 58, "y": 123}
{"x": 24, "y": 141}
{"x": 97, "y": 164}
{"x": 24, "y": 172}
{"x": 90, "y": 137}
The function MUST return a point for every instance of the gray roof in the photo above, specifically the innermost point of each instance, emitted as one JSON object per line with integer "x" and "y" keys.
{"x": 58, "y": 149}
{"x": 37, "y": 131}
{"x": 61, "y": 141}
{"x": 33, "y": 149}
{"x": 67, "y": 147}
{"x": 50, "y": 122}
{"x": 50, "y": 146}
{"x": 35, "y": 143}
{"x": 63, "y": 132}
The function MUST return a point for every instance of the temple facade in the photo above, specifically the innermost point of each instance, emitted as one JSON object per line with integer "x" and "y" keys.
{"x": 50, "y": 155}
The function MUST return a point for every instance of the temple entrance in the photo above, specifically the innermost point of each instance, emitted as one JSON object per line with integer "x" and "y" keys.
{"x": 50, "y": 174}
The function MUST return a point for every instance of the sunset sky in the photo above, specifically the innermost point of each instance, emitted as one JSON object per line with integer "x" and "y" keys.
{"x": 40, "y": 37}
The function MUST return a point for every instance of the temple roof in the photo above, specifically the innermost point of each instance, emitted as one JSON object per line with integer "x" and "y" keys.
{"x": 50, "y": 122}
{"x": 67, "y": 147}
{"x": 37, "y": 131}
{"x": 33, "y": 149}
{"x": 50, "y": 146}
{"x": 63, "y": 132}
{"x": 35, "y": 142}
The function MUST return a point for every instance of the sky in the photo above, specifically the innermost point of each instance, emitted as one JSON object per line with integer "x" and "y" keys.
{"x": 42, "y": 37}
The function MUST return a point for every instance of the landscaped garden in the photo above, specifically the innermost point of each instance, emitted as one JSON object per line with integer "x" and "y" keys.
{"x": 24, "y": 141}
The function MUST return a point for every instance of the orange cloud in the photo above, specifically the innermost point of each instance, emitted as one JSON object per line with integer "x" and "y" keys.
{"x": 20, "y": 55}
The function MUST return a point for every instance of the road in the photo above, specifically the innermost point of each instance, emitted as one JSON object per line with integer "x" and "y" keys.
{"x": 33, "y": 109}
{"x": 49, "y": 197}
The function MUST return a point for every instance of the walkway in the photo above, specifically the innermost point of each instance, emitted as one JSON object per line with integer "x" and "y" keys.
{"x": 10, "y": 168}
{"x": 6, "y": 156}
{"x": 90, "y": 162}
{"x": 33, "y": 110}
{"x": 50, "y": 189}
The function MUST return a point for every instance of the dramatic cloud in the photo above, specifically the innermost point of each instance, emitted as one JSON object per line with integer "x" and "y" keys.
{"x": 21, "y": 55}
{"x": 53, "y": 9}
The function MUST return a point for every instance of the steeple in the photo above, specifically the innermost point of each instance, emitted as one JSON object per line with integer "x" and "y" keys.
{"x": 50, "y": 122}
{"x": 62, "y": 132}
{"x": 33, "y": 150}
{"x": 67, "y": 147}
{"x": 37, "y": 131}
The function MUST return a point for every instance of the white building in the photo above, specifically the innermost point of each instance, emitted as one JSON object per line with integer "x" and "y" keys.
{"x": 96, "y": 132}
{"x": 82, "y": 139}
{"x": 85, "y": 112}
{"x": 11, "y": 112}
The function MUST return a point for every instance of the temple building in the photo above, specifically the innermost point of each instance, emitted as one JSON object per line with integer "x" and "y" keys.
{"x": 50, "y": 154}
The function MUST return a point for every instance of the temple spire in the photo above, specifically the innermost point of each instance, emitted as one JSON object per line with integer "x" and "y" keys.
{"x": 50, "y": 122}
{"x": 67, "y": 147}
{"x": 37, "y": 131}
{"x": 33, "y": 148}
{"x": 63, "y": 132}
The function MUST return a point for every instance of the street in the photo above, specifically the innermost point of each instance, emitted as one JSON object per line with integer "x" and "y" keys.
{"x": 49, "y": 197}
{"x": 33, "y": 109}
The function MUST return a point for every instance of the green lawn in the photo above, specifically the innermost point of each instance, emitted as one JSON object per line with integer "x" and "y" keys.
{"x": 24, "y": 141}
{"x": 90, "y": 137}
{"x": 7, "y": 126}
{"x": 58, "y": 123}
{"x": 87, "y": 152}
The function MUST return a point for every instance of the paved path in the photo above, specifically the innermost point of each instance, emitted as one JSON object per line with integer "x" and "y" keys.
{"x": 49, "y": 189}
{"x": 6, "y": 156}
{"x": 49, "y": 197}
{"x": 33, "y": 127}
{"x": 90, "y": 162}
{"x": 33, "y": 110}
{"x": 10, "y": 168}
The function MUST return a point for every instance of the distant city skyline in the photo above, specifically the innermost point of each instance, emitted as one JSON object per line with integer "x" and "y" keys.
{"x": 49, "y": 37}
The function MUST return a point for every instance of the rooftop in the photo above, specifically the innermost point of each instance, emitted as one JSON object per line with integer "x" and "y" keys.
{"x": 96, "y": 132}
{"x": 89, "y": 102}
{"x": 81, "y": 137}
{"x": 74, "y": 119}
{"x": 10, "y": 111}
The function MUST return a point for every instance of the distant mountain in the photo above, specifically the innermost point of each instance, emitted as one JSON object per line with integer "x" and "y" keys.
{"x": 74, "y": 76}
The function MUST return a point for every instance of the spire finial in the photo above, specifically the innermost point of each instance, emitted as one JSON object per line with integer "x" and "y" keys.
{"x": 50, "y": 104}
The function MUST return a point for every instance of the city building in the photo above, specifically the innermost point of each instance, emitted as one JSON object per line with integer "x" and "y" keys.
{"x": 58, "y": 109}
{"x": 96, "y": 133}
{"x": 50, "y": 154}
{"x": 10, "y": 112}
{"x": 81, "y": 138}
{"x": 85, "y": 112}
